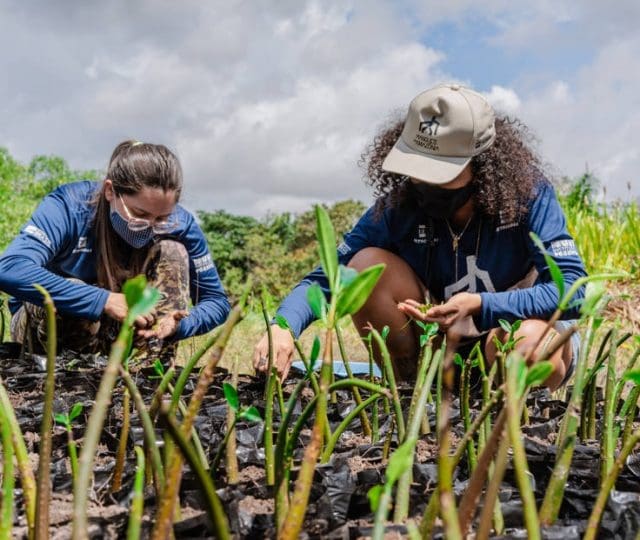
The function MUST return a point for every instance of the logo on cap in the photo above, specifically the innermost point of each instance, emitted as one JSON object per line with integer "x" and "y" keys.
{"x": 430, "y": 127}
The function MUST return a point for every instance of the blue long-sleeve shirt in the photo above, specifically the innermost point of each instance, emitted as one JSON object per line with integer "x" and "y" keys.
{"x": 58, "y": 242}
{"x": 493, "y": 256}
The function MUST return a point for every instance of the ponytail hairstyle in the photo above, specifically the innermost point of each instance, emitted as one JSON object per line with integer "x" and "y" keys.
{"x": 133, "y": 166}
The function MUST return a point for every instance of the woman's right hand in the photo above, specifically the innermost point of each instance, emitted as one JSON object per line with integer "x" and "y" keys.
{"x": 116, "y": 308}
{"x": 283, "y": 348}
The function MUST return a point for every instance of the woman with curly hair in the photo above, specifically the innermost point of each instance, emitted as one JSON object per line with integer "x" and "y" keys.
{"x": 457, "y": 193}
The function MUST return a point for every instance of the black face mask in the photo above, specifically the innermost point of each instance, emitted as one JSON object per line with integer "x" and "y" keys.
{"x": 440, "y": 203}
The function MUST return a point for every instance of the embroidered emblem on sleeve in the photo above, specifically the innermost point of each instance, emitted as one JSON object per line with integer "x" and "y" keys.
{"x": 203, "y": 263}
{"x": 563, "y": 248}
{"x": 38, "y": 233}
{"x": 344, "y": 248}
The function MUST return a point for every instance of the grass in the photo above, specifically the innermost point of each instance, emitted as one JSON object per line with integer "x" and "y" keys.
{"x": 249, "y": 331}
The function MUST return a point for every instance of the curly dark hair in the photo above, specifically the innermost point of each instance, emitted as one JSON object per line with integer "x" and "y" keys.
{"x": 504, "y": 175}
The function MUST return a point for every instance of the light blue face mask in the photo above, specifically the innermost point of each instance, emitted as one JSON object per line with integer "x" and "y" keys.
{"x": 136, "y": 239}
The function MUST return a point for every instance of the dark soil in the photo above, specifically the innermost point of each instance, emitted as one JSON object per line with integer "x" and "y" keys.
{"x": 338, "y": 508}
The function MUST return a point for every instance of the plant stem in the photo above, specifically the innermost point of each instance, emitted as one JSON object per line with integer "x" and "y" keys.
{"x": 43, "y": 493}
{"x": 401, "y": 511}
{"x": 27, "y": 478}
{"x": 92, "y": 433}
{"x": 214, "y": 506}
{"x": 488, "y": 513}
{"x": 116, "y": 482}
{"x": 467, "y": 507}
{"x": 147, "y": 430}
{"x": 269, "y": 394}
{"x": 364, "y": 419}
{"x": 190, "y": 365}
{"x": 137, "y": 499}
{"x": 231, "y": 447}
{"x": 164, "y": 516}
{"x": 335, "y": 436}
{"x": 391, "y": 379}
{"x": 218, "y": 457}
{"x": 465, "y": 381}
{"x": 164, "y": 384}
{"x": 292, "y": 524}
{"x": 607, "y": 444}
{"x": 6, "y": 505}
{"x": 565, "y": 445}
{"x": 607, "y": 485}
{"x": 514, "y": 411}
{"x": 448, "y": 510}
{"x": 73, "y": 455}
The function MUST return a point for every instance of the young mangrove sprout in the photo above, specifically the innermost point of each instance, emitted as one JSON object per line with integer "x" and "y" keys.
{"x": 66, "y": 420}
{"x": 137, "y": 499}
{"x": 43, "y": 493}
{"x": 140, "y": 300}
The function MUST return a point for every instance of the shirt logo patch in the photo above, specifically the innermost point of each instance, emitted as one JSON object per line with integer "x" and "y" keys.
{"x": 469, "y": 282}
{"x": 81, "y": 247}
{"x": 203, "y": 263}
{"x": 563, "y": 248}
{"x": 344, "y": 248}
{"x": 38, "y": 233}
{"x": 425, "y": 235}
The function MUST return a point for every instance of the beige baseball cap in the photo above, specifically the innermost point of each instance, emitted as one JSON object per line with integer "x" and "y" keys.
{"x": 445, "y": 127}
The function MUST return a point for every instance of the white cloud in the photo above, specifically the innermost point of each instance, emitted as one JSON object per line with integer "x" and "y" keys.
{"x": 270, "y": 104}
{"x": 503, "y": 100}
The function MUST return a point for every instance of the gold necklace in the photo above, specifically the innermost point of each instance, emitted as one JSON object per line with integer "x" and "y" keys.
{"x": 455, "y": 241}
{"x": 455, "y": 238}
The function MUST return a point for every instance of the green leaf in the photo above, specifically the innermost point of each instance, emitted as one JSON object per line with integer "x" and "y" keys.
{"x": 538, "y": 373}
{"x": 158, "y": 367}
{"x": 282, "y": 322}
{"x": 327, "y": 246}
{"x": 593, "y": 295}
{"x": 76, "y": 410}
{"x": 315, "y": 352}
{"x": 457, "y": 360}
{"x": 317, "y": 301}
{"x": 400, "y": 461}
{"x": 385, "y": 332}
{"x": 347, "y": 275}
{"x": 374, "y": 495}
{"x": 61, "y": 419}
{"x": 505, "y": 325}
{"x": 633, "y": 376}
{"x": 250, "y": 414}
{"x": 231, "y": 395}
{"x": 141, "y": 299}
{"x": 554, "y": 269}
{"x": 354, "y": 295}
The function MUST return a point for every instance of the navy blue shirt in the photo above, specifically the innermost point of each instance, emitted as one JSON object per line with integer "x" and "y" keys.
{"x": 58, "y": 242}
{"x": 493, "y": 256}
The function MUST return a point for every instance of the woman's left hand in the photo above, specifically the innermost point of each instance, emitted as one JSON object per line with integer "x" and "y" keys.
{"x": 446, "y": 315}
{"x": 165, "y": 326}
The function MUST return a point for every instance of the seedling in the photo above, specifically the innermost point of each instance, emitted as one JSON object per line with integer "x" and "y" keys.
{"x": 66, "y": 420}
{"x": 248, "y": 414}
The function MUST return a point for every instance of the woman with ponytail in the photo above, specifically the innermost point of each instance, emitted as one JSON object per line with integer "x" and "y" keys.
{"x": 86, "y": 239}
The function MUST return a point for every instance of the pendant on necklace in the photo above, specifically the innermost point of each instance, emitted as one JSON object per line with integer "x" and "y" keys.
{"x": 454, "y": 242}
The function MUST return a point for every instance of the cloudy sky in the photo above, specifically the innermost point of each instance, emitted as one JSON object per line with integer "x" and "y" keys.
{"x": 269, "y": 103}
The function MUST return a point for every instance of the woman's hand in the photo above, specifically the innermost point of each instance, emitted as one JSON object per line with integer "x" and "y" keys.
{"x": 116, "y": 308}
{"x": 166, "y": 325}
{"x": 283, "y": 348}
{"x": 446, "y": 315}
